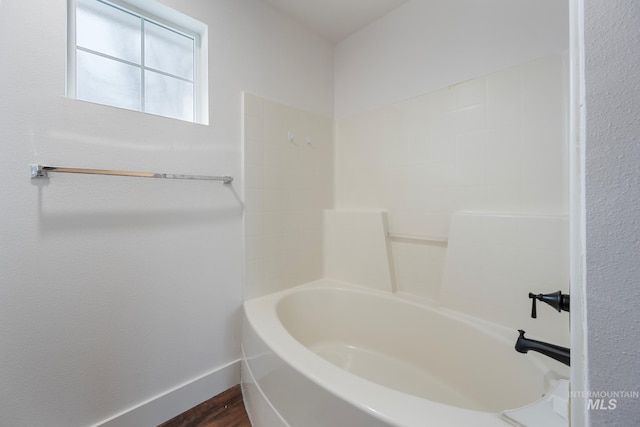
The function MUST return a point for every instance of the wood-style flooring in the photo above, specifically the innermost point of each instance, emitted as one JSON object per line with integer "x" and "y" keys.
{"x": 224, "y": 410}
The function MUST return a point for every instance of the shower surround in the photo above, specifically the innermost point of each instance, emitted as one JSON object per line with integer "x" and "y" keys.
{"x": 497, "y": 143}
{"x": 288, "y": 170}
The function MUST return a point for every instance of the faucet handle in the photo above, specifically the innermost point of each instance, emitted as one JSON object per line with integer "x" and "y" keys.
{"x": 557, "y": 300}
{"x": 533, "y": 307}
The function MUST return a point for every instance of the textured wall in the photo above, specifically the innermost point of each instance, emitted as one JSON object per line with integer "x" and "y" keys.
{"x": 612, "y": 43}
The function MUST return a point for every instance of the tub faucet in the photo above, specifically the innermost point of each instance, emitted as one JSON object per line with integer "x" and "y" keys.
{"x": 561, "y": 354}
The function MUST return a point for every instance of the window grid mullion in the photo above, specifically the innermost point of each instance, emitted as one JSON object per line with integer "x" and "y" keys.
{"x": 142, "y": 70}
{"x": 164, "y": 73}
{"x": 124, "y": 61}
{"x": 195, "y": 76}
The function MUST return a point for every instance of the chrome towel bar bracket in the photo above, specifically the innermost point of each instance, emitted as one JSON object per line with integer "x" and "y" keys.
{"x": 41, "y": 171}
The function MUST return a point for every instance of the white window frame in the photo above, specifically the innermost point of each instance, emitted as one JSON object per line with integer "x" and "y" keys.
{"x": 162, "y": 15}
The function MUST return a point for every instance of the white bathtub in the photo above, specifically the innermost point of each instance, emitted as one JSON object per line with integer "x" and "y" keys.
{"x": 329, "y": 354}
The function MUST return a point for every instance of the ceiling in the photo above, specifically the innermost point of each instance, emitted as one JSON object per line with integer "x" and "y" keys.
{"x": 335, "y": 19}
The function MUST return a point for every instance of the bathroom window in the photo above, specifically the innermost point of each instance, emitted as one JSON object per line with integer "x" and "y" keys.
{"x": 124, "y": 56}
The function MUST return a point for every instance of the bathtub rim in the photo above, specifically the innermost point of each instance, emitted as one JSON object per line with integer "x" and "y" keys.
{"x": 361, "y": 393}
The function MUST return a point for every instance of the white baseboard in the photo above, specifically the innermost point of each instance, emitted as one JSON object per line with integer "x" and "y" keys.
{"x": 176, "y": 401}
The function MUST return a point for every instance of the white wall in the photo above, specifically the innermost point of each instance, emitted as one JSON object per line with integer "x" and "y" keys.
{"x": 612, "y": 107}
{"x": 427, "y": 45}
{"x": 116, "y": 290}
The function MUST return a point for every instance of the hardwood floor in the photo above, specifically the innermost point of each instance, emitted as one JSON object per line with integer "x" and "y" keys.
{"x": 224, "y": 410}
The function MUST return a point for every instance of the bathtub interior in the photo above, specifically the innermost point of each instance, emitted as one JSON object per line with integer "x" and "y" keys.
{"x": 421, "y": 351}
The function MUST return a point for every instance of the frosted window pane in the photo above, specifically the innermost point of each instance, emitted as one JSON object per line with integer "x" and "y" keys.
{"x": 168, "y": 96}
{"x": 168, "y": 51}
{"x": 108, "y": 30}
{"x": 108, "y": 82}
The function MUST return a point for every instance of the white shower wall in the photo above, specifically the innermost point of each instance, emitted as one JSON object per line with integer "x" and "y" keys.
{"x": 288, "y": 183}
{"x": 494, "y": 144}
